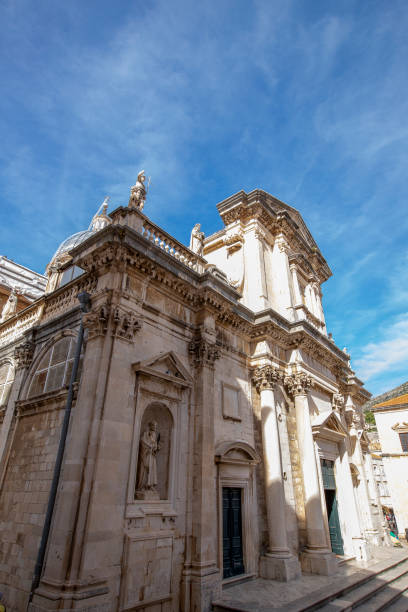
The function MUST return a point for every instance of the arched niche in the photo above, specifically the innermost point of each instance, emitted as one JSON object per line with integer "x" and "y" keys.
{"x": 154, "y": 453}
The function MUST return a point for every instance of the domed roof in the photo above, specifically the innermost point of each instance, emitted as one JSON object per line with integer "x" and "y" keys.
{"x": 72, "y": 241}
{"x": 99, "y": 221}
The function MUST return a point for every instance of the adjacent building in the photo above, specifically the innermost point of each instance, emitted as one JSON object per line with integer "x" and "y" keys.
{"x": 391, "y": 417}
{"x": 216, "y": 430}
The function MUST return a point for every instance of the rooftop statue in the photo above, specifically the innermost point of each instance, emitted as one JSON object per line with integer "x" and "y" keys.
{"x": 138, "y": 192}
{"x": 10, "y": 307}
{"x": 197, "y": 239}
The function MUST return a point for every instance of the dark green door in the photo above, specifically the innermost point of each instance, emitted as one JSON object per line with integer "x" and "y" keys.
{"x": 329, "y": 484}
{"x": 233, "y": 561}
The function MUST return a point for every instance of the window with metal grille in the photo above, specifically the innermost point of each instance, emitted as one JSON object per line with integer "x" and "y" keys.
{"x": 6, "y": 380}
{"x": 54, "y": 370}
{"x": 404, "y": 441}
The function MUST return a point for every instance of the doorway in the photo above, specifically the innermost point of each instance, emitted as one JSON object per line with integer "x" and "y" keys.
{"x": 329, "y": 485}
{"x": 233, "y": 560}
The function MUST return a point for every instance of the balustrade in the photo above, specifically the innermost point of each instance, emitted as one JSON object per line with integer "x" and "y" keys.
{"x": 172, "y": 247}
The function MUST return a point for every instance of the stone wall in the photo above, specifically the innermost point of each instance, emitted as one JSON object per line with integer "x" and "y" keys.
{"x": 23, "y": 500}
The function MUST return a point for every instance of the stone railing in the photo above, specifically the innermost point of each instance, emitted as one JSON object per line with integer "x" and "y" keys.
{"x": 172, "y": 247}
{"x": 65, "y": 298}
{"x": 14, "y": 328}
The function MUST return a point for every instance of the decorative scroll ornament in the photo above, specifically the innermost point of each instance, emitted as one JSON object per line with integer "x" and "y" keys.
{"x": 203, "y": 352}
{"x": 358, "y": 420}
{"x": 298, "y": 384}
{"x": 23, "y": 354}
{"x": 266, "y": 377}
{"x": 338, "y": 402}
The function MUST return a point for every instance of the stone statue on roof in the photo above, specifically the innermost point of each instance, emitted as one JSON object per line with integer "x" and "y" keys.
{"x": 138, "y": 192}
{"x": 10, "y": 307}
{"x": 197, "y": 239}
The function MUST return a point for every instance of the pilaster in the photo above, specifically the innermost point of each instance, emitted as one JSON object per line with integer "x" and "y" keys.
{"x": 82, "y": 504}
{"x": 202, "y": 580}
{"x": 23, "y": 356}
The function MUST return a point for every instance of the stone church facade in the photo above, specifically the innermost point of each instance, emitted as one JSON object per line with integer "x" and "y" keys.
{"x": 216, "y": 429}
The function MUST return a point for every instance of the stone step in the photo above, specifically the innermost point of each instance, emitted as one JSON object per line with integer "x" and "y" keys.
{"x": 374, "y": 594}
{"x": 341, "y": 593}
{"x": 400, "y": 605}
{"x": 386, "y": 597}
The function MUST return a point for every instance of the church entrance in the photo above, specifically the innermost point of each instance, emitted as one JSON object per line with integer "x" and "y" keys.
{"x": 233, "y": 561}
{"x": 329, "y": 484}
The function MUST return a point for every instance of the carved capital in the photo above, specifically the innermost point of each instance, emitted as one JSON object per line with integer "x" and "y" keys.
{"x": 96, "y": 321}
{"x": 125, "y": 325}
{"x": 298, "y": 384}
{"x": 266, "y": 377}
{"x": 338, "y": 401}
{"x": 203, "y": 353}
{"x": 23, "y": 354}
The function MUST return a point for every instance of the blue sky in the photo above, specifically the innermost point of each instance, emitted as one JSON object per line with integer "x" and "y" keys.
{"x": 305, "y": 99}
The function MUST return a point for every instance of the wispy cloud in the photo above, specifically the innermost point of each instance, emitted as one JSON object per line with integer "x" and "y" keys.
{"x": 306, "y": 100}
{"x": 389, "y": 354}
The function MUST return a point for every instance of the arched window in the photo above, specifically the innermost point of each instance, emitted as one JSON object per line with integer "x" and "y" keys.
{"x": 54, "y": 370}
{"x": 6, "y": 380}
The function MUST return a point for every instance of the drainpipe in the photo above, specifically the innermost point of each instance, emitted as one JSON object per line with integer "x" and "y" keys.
{"x": 85, "y": 302}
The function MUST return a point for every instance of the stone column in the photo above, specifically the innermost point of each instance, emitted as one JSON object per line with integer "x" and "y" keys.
{"x": 346, "y": 490}
{"x": 296, "y": 287}
{"x": 255, "y": 281}
{"x": 281, "y": 276}
{"x": 278, "y": 563}
{"x": 205, "y": 579}
{"x": 317, "y": 558}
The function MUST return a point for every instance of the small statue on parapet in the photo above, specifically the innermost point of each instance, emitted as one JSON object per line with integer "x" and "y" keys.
{"x": 138, "y": 192}
{"x": 197, "y": 239}
{"x": 10, "y": 307}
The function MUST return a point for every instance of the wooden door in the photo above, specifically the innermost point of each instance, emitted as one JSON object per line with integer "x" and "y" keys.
{"x": 329, "y": 484}
{"x": 233, "y": 561}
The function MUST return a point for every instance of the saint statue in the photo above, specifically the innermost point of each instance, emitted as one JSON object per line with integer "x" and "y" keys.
{"x": 197, "y": 239}
{"x": 138, "y": 192}
{"x": 10, "y": 306}
{"x": 146, "y": 481}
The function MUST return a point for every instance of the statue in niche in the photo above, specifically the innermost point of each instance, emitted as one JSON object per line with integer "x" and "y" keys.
{"x": 138, "y": 192}
{"x": 10, "y": 307}
{"x": 197, "y": 239}
{"x": 146, "y": 481}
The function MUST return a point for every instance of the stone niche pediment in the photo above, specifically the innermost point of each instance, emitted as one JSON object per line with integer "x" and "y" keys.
{"x": 167, "y": 366}
{"x": 236, "y": 452}
{"x": 329, "y": 427}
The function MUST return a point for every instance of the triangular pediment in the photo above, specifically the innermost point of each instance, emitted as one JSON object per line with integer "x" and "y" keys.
{"x": 165, "y": 365}
{"x": 329, "y": 426}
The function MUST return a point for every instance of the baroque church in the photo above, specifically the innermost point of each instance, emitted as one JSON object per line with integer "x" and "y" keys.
{"x": 211, "y": 429}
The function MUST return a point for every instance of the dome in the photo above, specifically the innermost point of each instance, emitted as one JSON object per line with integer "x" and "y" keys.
{"x": 72, "y": 241}
{"x": 99, "y": 221}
